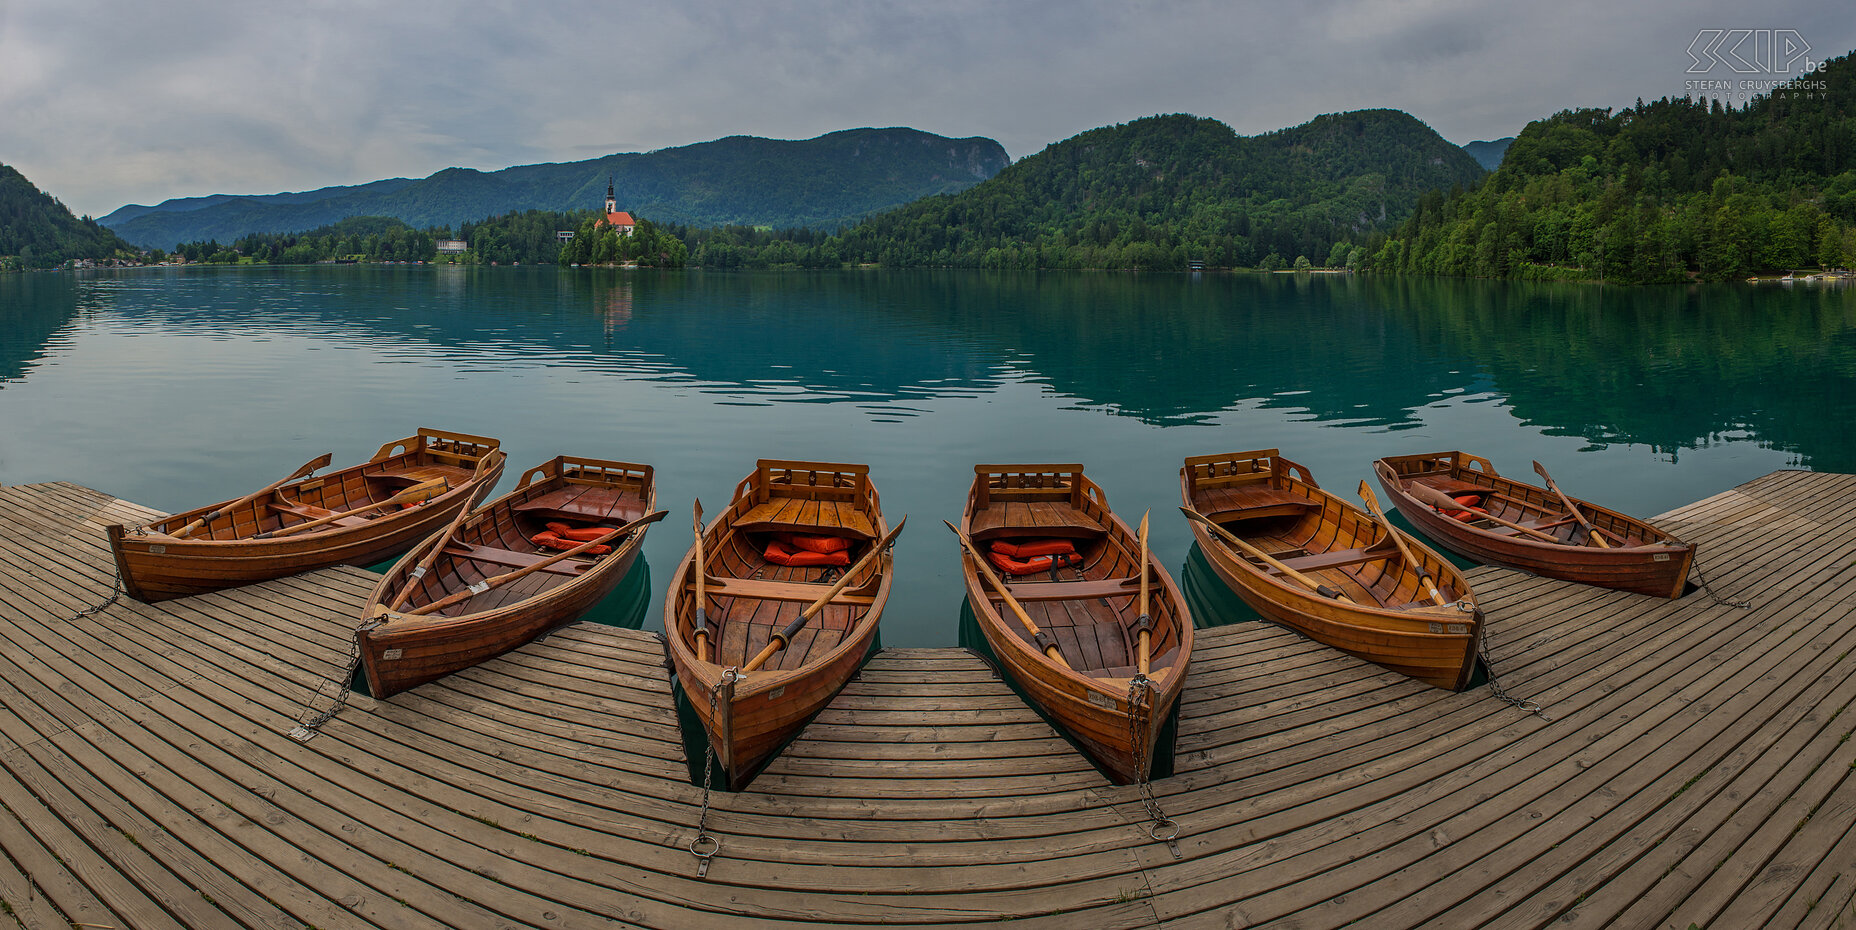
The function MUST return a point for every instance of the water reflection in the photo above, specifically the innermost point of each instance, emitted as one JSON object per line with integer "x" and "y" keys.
{"x": 173, "y": 386}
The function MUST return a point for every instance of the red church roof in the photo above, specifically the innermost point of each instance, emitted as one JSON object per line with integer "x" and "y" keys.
{"x": 620, "y": 218}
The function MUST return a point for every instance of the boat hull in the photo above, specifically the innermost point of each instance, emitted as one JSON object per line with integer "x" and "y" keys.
{"x": 748, "y": 719}
{"x": 1657, "y": 565}
{"x": 1116, "y": 725}
{"x": 1417, "y": 638}
{"x": 405, "y": 652}
{"x": 157, "y": 566}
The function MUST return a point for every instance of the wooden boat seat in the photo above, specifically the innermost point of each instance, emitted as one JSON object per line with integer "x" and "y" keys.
{"x": 586, "y": 503}
{"x": 793, "y": 515}
{"x": 1336, "y": 559}
{"x": 414, "y": 474}
{"x": 1452, "y": 486}
{"x": 1251, "y": 503}
{"x": 312, "y": 512}
{"x": 1076, "y": 590}
{"x": 1036, "y": 519}
{"x": 804, "y": 592}
{"x": 514, "y": 559}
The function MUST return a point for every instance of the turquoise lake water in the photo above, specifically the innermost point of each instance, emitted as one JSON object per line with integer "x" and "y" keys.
{"x": 174, "y": 387}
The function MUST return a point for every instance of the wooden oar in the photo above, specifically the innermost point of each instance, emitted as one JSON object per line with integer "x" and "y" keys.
{"x": 784, "y": 636}
{"x": 526, "y": 570}
{"x": 1144, "y": 623}
{"x": 699, "y": 627}
{"x": 1424, "y": 574}
{"x": 430, "y": 559}
{"x": 308, "y": 467}
{"x": 1267, "y": 559}
{"x": 1426, "y": 494}
{"x": 1038, "y": 637}
{"x": 423, "y": 491}
{"x": 1591, "y": 532}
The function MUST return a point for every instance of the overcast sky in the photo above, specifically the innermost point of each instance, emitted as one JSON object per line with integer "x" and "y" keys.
{"x": 104, "y": 103}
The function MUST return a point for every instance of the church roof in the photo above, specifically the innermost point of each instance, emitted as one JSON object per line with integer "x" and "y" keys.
{"x": 620, "y": 218}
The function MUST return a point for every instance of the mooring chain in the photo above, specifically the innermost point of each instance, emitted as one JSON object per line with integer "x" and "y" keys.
{"x": 704, "y": 845}
{"x": 1719, "y": 600}
{"x": 306, "y": 728}
{"x": 1161, "y": 827}
{"x": 1495, "y": 684}
{"x": 115, "y": 594}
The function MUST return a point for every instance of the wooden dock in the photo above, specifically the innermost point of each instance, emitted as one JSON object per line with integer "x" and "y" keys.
{"x": 1697, "y": 768}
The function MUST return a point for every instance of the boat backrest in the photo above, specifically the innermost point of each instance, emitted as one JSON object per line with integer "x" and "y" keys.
{"x": 606, "y": 473}
{"x": 1232, "y": 469}
{"x": 461, "y": 449}
{"x": 1028, "y": 483}
{"x": 826, "y": 481}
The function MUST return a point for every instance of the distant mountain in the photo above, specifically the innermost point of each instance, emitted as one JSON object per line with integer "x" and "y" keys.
{"x": 1670, "y": 191}
{"x": 1162, "y": 191}
{"x": 1489, "y": 154}
{"x": 36, "y": 231}
{"x": 833, "y": 180}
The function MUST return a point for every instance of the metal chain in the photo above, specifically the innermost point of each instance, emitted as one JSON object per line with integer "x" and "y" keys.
{"x": 1495, "y": 684}
{"x": 1719, "y": 600}
{"x": 115, "y": 594}
{"x": 306, "y": 727}
{"x": 1161, "y": 827}
{"x": 703, "y": 839}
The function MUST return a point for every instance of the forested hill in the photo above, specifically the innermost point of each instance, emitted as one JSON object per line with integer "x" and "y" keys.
{"x": 1158, "y": 192}
{"x": 826, "y": 182}
{"x": 36, "y": 231}
{"x": 1667, "y": 191}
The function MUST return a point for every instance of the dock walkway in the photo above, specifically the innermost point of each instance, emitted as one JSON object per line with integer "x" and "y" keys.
{"x": 1696, "y": 770}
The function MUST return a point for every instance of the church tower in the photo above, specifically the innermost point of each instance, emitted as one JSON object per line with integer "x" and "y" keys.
{"x": 612, "y": 203}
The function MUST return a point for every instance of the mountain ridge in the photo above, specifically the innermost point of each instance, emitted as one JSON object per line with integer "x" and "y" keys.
{"x": 833, "y": 179}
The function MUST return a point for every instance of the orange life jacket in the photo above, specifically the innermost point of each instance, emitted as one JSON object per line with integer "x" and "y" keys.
{"x": 548, "y": 539}
{"x": 579, "y": 533}
{"x": 825, "y": 544}
{"x": 1031, "y": 565}
{"x": 780, "y": 553}
{"x": 1026, "y": 548}
{"x": 1471, "y": 511}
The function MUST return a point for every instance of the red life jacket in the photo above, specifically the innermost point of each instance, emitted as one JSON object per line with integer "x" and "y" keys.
{"x": 579, "y": 533}
{"x": 1472, "y": 512}
{"x": 1031, "y": 565}
{"x": 1026, "y": 548}
{"x": 549, "y": 540}
{"x": 825, "y": 544}
{"x": 780, "y": 553}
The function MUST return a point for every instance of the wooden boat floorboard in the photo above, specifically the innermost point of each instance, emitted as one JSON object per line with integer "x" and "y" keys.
{"x": 1696, "y": 769}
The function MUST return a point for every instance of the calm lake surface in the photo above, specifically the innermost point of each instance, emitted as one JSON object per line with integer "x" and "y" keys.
{"x": 176, "y": 387}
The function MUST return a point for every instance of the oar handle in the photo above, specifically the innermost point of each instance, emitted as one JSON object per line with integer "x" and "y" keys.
{"x": 1266, "y": 558}
{"x": 1143, "y": 622}
{"x": 303, "y": 471}
{"x": 423, "y": 491}
{"x": 430, "y": 559}
{"x": 1591, "y": 532}
{"x": 785, "y": 635}
{"x": 1398, "y": 539}
{"x": 1039, "y": 638}
{"x": 506, "y": 577}
{"x": 1425, "y": 494}
{"x": 699, "y": 625}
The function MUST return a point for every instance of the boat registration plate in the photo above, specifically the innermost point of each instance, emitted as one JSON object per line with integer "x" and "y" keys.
{"x": 1101, "y": 700}
{"x": 1660, "y": 557}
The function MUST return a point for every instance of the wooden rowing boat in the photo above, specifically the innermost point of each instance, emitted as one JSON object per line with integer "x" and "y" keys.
{"x": 1638, "y": 556}
{"x": 346, "y": 517}
{"x": 1080, "y": 654}
{"x": 426, "y": 617}
{"x": 749, "y": 600}
{"x": 1293, "y": 538}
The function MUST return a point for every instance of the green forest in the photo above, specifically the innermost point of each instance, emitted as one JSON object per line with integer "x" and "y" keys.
{"x": 528, "y": 237}
{"x": 36, "y": 231}
{"x": 1668, "y": 191}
